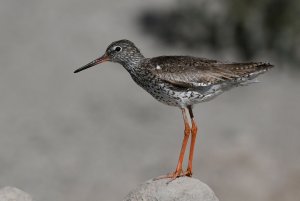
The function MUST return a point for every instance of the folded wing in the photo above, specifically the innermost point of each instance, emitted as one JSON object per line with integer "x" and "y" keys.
{"x": 185, "y": 71}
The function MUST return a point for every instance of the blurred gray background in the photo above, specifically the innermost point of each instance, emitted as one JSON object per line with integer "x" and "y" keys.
{"x": 96, "y": 135}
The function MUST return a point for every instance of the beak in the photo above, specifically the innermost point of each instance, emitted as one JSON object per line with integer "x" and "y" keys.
{"x": 93, "y": 63}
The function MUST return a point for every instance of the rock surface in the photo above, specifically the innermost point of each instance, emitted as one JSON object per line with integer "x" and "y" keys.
{"x": 184, "y": 188}
{"x": 13, "y": 194}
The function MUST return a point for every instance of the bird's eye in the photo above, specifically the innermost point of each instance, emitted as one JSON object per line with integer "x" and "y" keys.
{"x": 117, "y": 48}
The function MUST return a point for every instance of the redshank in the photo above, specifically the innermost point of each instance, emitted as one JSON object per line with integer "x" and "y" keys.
{"x": 181, "y": 81}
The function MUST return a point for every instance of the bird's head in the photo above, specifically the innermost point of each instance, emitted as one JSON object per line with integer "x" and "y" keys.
{"x": 122, "y": 51}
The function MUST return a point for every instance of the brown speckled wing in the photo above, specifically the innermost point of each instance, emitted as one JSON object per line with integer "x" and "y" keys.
{"x": 186, "y": 71}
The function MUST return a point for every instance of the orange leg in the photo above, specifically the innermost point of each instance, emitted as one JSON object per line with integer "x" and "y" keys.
{"x": 178, "y": 172}
{"x": 189, "y": 170}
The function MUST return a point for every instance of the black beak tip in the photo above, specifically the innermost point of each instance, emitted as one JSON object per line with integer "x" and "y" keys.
{"x": 82, "y": 68}
{"x": 91, "y": 64}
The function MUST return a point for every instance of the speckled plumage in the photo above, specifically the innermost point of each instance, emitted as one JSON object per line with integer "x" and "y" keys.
{"x": 184, "y": 80}
{"x": 180, "y": 81}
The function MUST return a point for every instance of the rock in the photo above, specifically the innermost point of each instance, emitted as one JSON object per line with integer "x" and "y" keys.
{"x": 13, "y": 194}
{"x": 181, "y": 189}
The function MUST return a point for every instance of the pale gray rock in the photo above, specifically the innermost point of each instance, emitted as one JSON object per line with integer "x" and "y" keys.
{"x": 181, "y": 189}
{"x": 13, "y": 194}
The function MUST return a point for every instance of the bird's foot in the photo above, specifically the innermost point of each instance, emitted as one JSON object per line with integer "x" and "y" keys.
{"x": 188, "y": 173}
{"x": 174, "y": 175}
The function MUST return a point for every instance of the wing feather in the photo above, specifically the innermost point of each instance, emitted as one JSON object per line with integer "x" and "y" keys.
{"x": 185, "y": 71}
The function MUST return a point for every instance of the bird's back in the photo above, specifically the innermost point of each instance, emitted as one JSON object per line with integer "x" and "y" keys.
{"x": 186, "y": 80}
{"x": 187, "y": 71}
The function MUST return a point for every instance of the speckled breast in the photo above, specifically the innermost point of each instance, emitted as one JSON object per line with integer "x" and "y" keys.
{"x": 174, "y": 96}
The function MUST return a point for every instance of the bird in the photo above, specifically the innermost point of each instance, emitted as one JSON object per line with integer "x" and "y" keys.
{"x": 181, "y": 81}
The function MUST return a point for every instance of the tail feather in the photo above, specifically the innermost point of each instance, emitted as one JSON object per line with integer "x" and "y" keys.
{"x": 248, "y": 82}
{"x": 248, "y": 70}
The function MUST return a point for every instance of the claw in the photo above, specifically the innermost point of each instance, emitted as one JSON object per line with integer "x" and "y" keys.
{"x": 172, "y": 176}
{"x": 188, "y": 173}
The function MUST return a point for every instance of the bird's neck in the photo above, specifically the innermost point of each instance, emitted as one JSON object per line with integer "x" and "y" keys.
{"x": 132, "y": 64}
